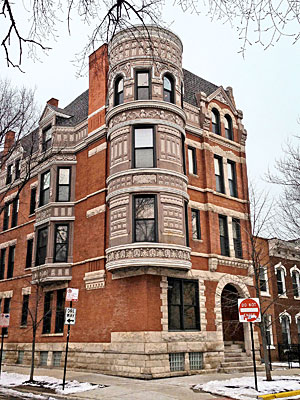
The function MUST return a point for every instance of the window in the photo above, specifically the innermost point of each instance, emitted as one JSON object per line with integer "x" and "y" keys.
{"x": 228, "y": 127}
{"x": 169, "y": 88}
{"x": 17, "y": 169}
{"x": 15, "y": 210}
{"x": 285, "y": 329}
{"x": 196, "y": 360}
{"x": 2, "y": 263}
{"x": 192, "y": 160}
{"x": 61, "y": 243}
{"x": 296, "y": 283}
{"x": 280, "y": 281}
{"x": 196, "y": 231}
{"x": 45, "y": 188}
{"x": 215, "y": 120}
{"x": 232, "y": 178}
{"x": 29, "y": 253}
{"x": 6, "y": 214}
{"x": 182, "y": 94}
{"x": 145, "y": 229}
{"x": 11, "y": 261}
{"x": 176, "y": 361}
{"x": 60, "y": 311}
{"x": 142, "y": 85}
{"x": 47, "y": 312}
{"x": 183, "y": 304}
{"x": 32, "y": 200}
{"x": 298, "y": 329}
{"x": 267, "y": 319}
{"x": 25, "y": 310}
{"x": 6, "y": 310}
{"x": 119, "y": 91}
{"x": 20, "y": 358}
{"x": 143, "y": 147}
{"x": 183, "y": 153}
{"x": 43, "y": 358}
{"x": 9, "y": 174}
{"x": 56, "y": 358}
{"x": 63, "y": 184}
{"x": 237, "y": 241}
{"x": 219, "y": 174}
{"x": 186, "y": 219}
{"x": 224, "y": 241}
{"x": 47, "y": 138}
{"x": 41, "y": 246}
{"x": 263, "y": 279}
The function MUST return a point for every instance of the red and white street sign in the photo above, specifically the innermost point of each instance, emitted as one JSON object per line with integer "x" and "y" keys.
{"x": 4, "y": 320}
{"x": 72, "y": 294}
{"x": 249, "y": 310}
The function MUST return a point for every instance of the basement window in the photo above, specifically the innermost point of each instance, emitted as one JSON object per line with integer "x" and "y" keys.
{"x": 56, "y": 358}
{"x": 43, "y": 358}
{"x": 176, "y": 362}
{"x": 20, "y": 357}
{"x": 196, "y": 360}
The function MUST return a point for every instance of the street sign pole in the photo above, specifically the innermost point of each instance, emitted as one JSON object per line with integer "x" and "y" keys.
{"x": 1, "y": 351}
{"x": 66, "y": 356}
{"x": 253, "y": 355}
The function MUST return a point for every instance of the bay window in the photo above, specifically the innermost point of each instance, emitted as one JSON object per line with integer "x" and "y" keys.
{"x": 145, "y": 218}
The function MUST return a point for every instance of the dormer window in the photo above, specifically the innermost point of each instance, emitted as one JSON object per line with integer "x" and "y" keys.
{"x": 119, "y": 91}
{"x": 215, "y": 120}
{"x": 47, "y": 138}
{"x": 168, "y": 88}
{"x": 228, "y": 127}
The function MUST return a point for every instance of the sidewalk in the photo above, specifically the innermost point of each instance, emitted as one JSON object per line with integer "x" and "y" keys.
{"x": 135, "y": 389}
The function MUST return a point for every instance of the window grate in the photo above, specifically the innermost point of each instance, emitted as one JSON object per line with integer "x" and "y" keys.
{"x": 43, "y": 358}
{"x": 196, "y": 360}
{"x": 56, "y": 358}
{"x": 176, "y": 361}
{"x": 20, "y": 357}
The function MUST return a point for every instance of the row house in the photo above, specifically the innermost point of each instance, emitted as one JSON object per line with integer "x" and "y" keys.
{"x": 138, "y": 197}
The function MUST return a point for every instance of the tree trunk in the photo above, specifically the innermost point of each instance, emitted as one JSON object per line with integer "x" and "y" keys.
{"x": 265, "y": 350}
{"x": 32, "y": 354}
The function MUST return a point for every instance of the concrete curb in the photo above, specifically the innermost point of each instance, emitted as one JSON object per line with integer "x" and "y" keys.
{"x": 279, "y": 395}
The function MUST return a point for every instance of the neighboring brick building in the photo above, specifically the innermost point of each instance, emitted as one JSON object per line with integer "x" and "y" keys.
{"x": 280, "y": 291}
{"x": 142, "y": 204}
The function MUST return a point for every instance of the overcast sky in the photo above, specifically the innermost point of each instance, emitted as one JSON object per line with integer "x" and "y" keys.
{"x": 265, "y": 83}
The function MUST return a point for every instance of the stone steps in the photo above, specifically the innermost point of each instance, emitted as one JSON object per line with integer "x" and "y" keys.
{"x": 231, "y": 370}
{"x": 236, "y": 359}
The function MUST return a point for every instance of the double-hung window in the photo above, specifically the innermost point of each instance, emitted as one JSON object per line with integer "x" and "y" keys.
{"x": 215, "y": 119}
{"x": 11, "y": 261}
{"x": 228, "y": 127}
{"x": 2, "y": 263}
{"x": 237, "y": 240}
{"x": 45, "y": 188}
{"x": 296, "y": 283}
{"x": 280, "y": 281}
{"x": 169, "y": 88}
{"x": 183, "y": 304}
{"x": 219, "y": 174}
{"x": 119, "y": 91}
{"x": 267, "y": 319}
{"x": 29, "y": 253}
{"x": 24, "y": 315}
{"x": 285, "y": 329}
{"x": 6, "y": 310}
{"x": 17, "y": 169}
{"x": 15, "y": 210}
{"x": 61, "y": 243}
{"x": 60, "y": 310}
{"x": 232, "y": 178}
{"x": 196, "y": 230}
{"x": 224, "y": 240}
{"x": 63, "y": 184}
{"x": 143, "y": 147}
{"x": 298, "y": 329}
{"x": 41, "y": 246}
{"x": 48, "y": 300}
{"x": 145, "y": 219}
{"x": 142, "y": 90}
{"x": 6, "y": 214}
{"x": 47, "y": 138}
{"x": 192, "y": 160}
{"x": 263, "y": 279}
{"x": 32, "y": 200}
{"x": 9, "y": 174}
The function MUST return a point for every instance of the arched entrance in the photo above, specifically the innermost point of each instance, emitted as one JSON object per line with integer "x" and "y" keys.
{"x": 232, "y": 329}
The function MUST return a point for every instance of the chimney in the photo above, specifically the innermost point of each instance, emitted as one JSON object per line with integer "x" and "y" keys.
{"x": 8, "y": 143}
{"x": 53, "y": 102}
{"x": 98, "y": 68}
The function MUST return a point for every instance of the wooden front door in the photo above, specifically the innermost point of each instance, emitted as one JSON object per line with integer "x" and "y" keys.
{"x": 232, "y": 328}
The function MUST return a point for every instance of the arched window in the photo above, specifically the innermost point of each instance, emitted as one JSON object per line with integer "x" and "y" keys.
{"x": 280, "y": 277}
{"x": 285, "y": 328}
{"x": 182, "y": 94}
{"x": 169, "y": 88}
{"x": 215, "y": 120}
{"x": 228, "y": 127}
{"x": 119, "y": 91}
{"x": 296, "y": 282}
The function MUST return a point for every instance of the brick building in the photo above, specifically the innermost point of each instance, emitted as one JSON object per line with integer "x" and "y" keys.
{"x": 280, "y": 292}
{"x": 141, "y": 204}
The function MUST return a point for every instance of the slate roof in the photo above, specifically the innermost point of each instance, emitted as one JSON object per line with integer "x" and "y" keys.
{"x": 78, "y": 109}
{"x": 194, "y": 84}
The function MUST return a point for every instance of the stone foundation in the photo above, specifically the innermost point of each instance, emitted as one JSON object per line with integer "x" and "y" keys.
{"x": 133, "y": 354}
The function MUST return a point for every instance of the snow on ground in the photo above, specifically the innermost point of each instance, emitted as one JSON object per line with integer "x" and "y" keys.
{"x": 244, "y": 388}
{"x": 13, "y": 379}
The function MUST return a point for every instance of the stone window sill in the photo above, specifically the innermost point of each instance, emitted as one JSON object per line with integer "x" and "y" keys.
{"x": 51, "y": 334}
